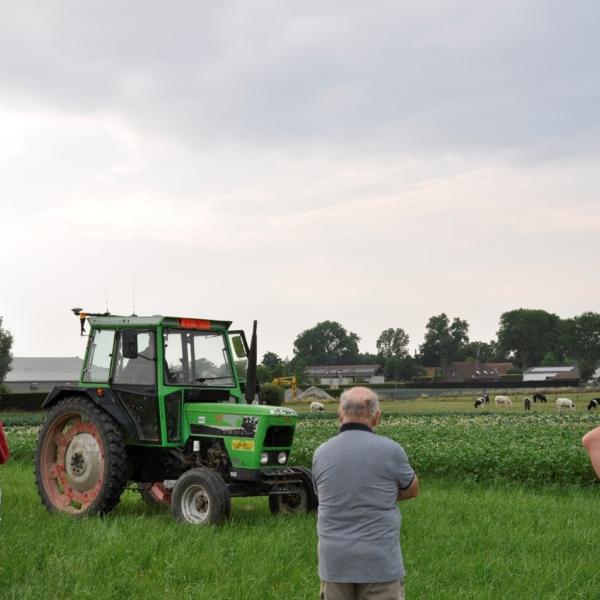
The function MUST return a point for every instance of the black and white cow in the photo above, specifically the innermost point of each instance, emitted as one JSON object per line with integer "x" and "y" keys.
{"x": 479, "y": 402}
{"x": 594, "y": 404}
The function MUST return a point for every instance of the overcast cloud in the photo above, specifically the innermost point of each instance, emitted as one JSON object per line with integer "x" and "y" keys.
{"x": 372, "y": 164}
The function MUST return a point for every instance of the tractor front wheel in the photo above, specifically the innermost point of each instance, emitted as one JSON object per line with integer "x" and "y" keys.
{"x": 200, "y": 497}
{"x": 80, "y": 459}
{"x": 301, "y": 497}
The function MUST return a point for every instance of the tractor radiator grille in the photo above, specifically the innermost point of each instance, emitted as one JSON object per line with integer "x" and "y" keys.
{"x": 279, "y": 436}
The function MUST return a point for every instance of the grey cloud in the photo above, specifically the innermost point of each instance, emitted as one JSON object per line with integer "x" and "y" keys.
{"x": 440, "y": 77}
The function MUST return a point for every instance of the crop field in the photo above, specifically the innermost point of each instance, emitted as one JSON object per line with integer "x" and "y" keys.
{"x": 509, "y": 508}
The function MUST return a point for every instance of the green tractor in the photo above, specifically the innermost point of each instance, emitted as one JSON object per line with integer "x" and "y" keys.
{"x": 161, "y": 405}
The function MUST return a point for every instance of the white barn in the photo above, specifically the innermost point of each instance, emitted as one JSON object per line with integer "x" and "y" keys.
{"x": 41, "y": 374}
{"x": 346, "y": 374}
{"x": 551, "y": 373}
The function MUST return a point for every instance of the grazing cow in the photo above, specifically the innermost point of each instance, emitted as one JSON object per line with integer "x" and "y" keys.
{"x": 540, "y": 397}
{"x": 502, "y": 401}
{"x": 565, "y": 403}
{"x": 317, "y": 407}
{"x": 527, "y": 403}
{"x": 594, "y": 404}
{"x": 486, "y": 397}
{"x": 479, "y": 402}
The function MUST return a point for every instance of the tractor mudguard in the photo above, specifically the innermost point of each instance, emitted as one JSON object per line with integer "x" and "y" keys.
{"x": 106, "y": 402}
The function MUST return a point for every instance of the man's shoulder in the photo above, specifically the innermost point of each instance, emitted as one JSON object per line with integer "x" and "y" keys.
{"x": 386, "y": 441}
{"x": 327, "y": 443}
{"x": 355, "y": 437}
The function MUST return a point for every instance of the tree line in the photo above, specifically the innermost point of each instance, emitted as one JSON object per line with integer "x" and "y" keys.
{"x": 6, "y": 341}
{"x": 525, "y": 337}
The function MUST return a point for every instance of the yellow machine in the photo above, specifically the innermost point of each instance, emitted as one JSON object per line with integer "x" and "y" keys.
{"x": 285, "y": 381}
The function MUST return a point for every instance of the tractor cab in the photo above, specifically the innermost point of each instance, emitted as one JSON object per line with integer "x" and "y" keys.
{"x": 153, "y": 366}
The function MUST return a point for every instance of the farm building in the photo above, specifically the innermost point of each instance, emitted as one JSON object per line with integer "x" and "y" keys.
{"x": 551, "y": 373}
{"x": 346, "y": 374}
{"x": 42, "y": 374}
{"x": 474, "y": 371}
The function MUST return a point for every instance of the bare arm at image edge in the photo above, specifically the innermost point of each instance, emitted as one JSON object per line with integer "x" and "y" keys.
{"x": 591, "y": 442}
{"x": 411, "y": 491}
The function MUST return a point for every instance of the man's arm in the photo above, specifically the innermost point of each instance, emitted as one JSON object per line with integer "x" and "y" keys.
{"x": 411, "y": 491}
{"x": 591, "y": 442}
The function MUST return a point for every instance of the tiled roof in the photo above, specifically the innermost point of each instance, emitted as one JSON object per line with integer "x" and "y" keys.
{"x": 472, "y": 370}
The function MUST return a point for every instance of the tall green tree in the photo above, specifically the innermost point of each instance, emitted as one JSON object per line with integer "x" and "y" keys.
{"x": 444, "y": 340}
{"x": 481, "y": 352}
{"x": 549, "y": 360}
{"x": 6, "y": 342}
{"x": 580, "y": 340}
{"x": 528, "y": 335}
{"x": 327, "y": 343}
{"x": 271, "y": 360}
{"x": 402, "y": 368}
{"x": 393, "y": 343}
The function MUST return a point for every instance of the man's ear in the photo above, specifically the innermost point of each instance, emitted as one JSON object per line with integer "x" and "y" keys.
{"x": 377, "y": 418}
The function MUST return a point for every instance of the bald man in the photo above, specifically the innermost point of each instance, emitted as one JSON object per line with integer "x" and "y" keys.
{"x": 359, "y": 476}
{"x": 591, "y": 442}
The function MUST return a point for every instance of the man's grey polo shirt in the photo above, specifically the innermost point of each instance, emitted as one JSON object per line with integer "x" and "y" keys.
{"x": 358, "y": 474}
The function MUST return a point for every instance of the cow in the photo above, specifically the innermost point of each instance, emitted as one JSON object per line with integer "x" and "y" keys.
{"x": 527, "y": 403}
{"x": 479, "y": 402}
{"x": 317, "y": 407}
{"x": 564, "y": 403}
{"x": 594, "y": 404}
{"x": 502, "y": 401}
{"x": 541, "y": 397}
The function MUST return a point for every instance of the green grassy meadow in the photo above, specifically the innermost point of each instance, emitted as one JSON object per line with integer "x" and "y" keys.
{"x": 509, "y": 508}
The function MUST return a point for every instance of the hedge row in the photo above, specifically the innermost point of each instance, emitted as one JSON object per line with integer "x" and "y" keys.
{"x": 24, "y": 401}
{"x": 509, "y": 382}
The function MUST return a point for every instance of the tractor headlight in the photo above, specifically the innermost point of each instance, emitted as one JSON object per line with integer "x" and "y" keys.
{"x": 264, "y": 458}
{"x": 282, "y": 458}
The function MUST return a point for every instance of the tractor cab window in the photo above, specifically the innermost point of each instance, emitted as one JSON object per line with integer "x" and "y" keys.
{"x": 196, "y": 358}
{"x": 141, "y": 368}
{"x": 99, "y": 354}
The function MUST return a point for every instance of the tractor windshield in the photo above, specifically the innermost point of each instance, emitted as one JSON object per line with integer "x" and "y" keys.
{"x": 196, "y": 358}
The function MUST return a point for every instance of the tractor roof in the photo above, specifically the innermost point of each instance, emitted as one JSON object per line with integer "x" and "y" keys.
{"x": 154, "y": 320}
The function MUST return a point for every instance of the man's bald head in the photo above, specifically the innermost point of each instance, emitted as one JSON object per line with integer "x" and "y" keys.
{"x": 359, "y": 403}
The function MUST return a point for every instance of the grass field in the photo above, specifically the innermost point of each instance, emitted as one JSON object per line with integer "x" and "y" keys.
{"x": 459, "y": 541}
{"x": 509, "y": 508}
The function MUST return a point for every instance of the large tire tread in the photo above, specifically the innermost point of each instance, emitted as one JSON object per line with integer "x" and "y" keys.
{"x": 216, "y": 489}
{"x": 115, "y": 454}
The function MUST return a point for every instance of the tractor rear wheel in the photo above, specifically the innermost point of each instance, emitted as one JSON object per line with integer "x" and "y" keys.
{"x": 200, "y": 497}
{"x": 301, "y": 498}
{"x": 80, "y": 459}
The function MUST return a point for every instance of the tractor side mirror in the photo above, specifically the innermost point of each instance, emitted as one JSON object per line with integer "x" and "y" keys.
{"x": 130, "y": 345}
{"x": 238, "y": 346}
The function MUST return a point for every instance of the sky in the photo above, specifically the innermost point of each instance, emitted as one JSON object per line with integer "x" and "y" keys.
{"x": 369, "y": 163}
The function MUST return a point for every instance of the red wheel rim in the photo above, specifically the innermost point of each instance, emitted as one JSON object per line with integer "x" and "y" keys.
{"x": 72, "y": 462}
{"x": 159, "y": 492}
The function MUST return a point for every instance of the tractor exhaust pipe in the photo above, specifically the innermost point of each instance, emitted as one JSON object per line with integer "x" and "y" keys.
{"x": 251, "y": 373}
